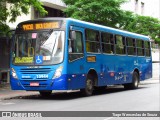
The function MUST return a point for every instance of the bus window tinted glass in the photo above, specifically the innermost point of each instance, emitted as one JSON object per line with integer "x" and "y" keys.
{"x": 107, "y": 43}
{"x": 140, "y": 47}
{"x": 131, "y": 48}
{"x": 147, "y": 48}
{"x": 120, "y": 47}
{"x": 92, "y": 41}
{"x": 75, "y": 47}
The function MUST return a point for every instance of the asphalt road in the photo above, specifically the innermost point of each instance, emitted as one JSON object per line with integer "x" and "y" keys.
{"x": 146, "y": 98}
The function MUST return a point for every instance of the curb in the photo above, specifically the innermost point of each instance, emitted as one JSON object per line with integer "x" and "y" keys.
{"x": 152, "y": 81}
{"x": 9, "y": 94}
{"x": 155, "y": 61}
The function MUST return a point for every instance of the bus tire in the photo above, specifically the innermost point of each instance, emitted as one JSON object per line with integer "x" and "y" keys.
{"x": 45, "y": 93}
{"x": 135, "y": 82}
{"x": 88, "y": 90}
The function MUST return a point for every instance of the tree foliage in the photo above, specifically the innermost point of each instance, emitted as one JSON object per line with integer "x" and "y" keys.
{"x": 104, "y": 12}
{"x": 15, "y": 8}
{"x": 145, "y": 25}
{"x": 108, "y": 13}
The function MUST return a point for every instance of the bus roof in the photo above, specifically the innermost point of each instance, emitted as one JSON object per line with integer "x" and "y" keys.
{"x": 109, "y": 29}
{"x": 92, "y": 26}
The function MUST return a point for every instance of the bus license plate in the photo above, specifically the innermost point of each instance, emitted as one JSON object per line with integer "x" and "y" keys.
{"x": 34, "y": 84}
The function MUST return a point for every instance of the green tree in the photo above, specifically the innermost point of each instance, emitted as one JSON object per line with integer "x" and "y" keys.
{"x": 145, "y": 25}
{"x": 15, "y": 9}
{"x": 108, "y": 13}
{"x": 104, "y": 12}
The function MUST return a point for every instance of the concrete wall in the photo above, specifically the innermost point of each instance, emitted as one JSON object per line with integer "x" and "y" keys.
{"x": 57, "y": 4}
{"x": 151, "y": 7}
{"x": 155, "y": 55}
{"x": 19, "y": 19}
{"x": 4, "y": 53}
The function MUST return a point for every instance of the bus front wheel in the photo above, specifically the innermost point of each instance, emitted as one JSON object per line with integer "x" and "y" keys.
{"x": 135, "y": 82}
{"x": 88, "y": 90}
{"x": 45, "y": 93}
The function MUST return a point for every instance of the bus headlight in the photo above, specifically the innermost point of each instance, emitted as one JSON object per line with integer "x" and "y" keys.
{"x": 58, "y": 72}
{"x": 14, "y": 75}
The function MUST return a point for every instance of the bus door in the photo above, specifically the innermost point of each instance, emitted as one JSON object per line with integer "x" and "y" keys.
{"x": 76, "y": 60}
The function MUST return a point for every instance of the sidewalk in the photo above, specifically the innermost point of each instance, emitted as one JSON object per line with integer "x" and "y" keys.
{"x": 7, "y": 93}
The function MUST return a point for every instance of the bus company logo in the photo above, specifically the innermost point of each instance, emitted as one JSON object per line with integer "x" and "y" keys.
{"x": 6, "y": 114}
{"x": 26, "y": 77}
{"x": 34, "y": 67}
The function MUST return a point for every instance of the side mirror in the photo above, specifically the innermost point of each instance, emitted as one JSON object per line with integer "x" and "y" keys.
{"x": 73, "y": 35}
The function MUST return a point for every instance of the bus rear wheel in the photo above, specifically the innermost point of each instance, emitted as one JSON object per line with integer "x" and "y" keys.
{"x": 88, "y": 90}
{"x": 135, "y": 82}
{"x": 45, "y": 93}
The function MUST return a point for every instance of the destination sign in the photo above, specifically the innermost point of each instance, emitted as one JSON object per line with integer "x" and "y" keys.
{"x": 24, "y": 60}
{"x": 40, "y": 26}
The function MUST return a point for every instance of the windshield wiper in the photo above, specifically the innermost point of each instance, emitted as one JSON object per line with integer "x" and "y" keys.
{"x": 46, "y": 37}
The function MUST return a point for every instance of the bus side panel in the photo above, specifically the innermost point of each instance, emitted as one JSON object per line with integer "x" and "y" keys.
{"x": 112, "y": 69}
{"x": 76, "y": 74}
{"x": 145, "y": 65}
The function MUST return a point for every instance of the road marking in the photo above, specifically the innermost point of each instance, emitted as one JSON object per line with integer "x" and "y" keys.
{"x": 109, "y": 118}
{"x": 10, "y": 103}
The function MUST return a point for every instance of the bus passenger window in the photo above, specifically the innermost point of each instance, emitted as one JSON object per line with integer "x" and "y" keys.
{"x": 75, "y": 47}
{"x": 92, "y": 41}
{"x": 88, "y": 46}
{"x": 143, "y": 48}
{"x": 134, "y": 45}
{"x": 124, "y": 44}
{"x": 147, "y": 49}
{"x": 107, "y": 43}
{"x": 131, "y": 46}
{"x": 140, "y": 47}
{"x": 98, "y": 47}
{"x": 119, "y": 45}
{"x": 112, "y": 43}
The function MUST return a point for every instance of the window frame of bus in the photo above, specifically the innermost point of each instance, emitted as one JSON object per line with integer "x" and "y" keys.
{"x": 94, "y": 41}
{"x": 109, "y": 37}
{"x": 74, "y": 55}
{"x": 130, "y": 45}
{"x": 123, "y": 43}
{"x": 140, "y": 46}
{"x": 147, "y": 48}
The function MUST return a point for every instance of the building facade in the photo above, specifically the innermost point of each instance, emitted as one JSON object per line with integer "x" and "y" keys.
{"x": 143, "y": 7}
{"x": 53, "y": 7}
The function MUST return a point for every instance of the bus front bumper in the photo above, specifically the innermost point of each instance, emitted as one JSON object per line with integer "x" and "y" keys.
{"x": 38, "y": 85}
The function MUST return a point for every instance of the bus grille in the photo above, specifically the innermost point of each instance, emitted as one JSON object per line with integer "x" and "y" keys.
{"x": 35, "y": 71}
{"x": 42, "y": 84}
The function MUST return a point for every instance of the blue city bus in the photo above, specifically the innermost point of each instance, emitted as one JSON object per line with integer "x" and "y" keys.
{"x": 67, "y": 54}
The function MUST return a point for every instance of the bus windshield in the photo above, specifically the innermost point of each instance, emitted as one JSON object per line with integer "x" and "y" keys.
{"x": 41, "y": 47}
